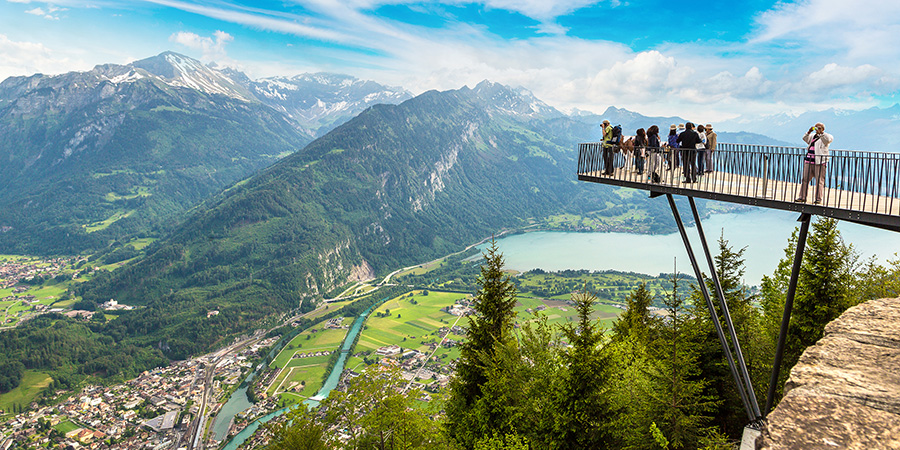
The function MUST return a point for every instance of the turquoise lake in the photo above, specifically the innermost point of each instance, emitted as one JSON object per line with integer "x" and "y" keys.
{"x": 764, "y": 232}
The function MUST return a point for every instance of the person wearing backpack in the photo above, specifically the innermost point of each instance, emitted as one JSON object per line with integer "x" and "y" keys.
{"x": 673, "y": 148}
{"x": 614, "y": 143}
{"x": 688, "y": 141}
{"x": 607, "y": 148}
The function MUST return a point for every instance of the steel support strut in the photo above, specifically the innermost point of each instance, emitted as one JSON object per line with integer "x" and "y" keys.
{"x": 712, "y": 310}
{"x": 788, "y": 305}
{"x": 741, "y": 364}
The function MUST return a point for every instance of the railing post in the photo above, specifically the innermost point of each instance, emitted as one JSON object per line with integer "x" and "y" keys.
{"x": 765, "y": 187}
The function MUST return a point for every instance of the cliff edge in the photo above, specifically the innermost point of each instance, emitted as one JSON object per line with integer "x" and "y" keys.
{"x": 844, "y": 393}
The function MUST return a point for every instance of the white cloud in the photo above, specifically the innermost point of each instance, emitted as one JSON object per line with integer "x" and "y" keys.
{"x": 48, "y": 14}
{"x": 834, "y": 76}
{"x": 22, "y": 58}
{"x": 701, "y": 79}
{"x": 212, "y": 48}
{"x": 542, "y": 10}
{"x": 858, "y": 32}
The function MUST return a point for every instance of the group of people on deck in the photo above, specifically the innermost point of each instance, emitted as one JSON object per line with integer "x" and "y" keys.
{"x": 685, "y": 147}
{"x": 694, "y": 150}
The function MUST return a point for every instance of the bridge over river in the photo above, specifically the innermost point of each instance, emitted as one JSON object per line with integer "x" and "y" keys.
{"x": 861, "y": 187}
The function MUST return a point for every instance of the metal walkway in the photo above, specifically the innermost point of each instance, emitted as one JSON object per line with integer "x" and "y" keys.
{"x": 861, "y": 187}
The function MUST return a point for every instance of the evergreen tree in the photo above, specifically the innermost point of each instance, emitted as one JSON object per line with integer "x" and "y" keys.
{"x": 299, "y": 430}
{"x": 539, "y": 345}
{"x": 490, "y": 330}
{"x": 678, "y": 402}
{"x": 636, "y": 320}
{"x": 823, "y": 292}
{"x": 582, "y": 408}
{"x": 822, "y": 288}
{"x": 876, "y": 281}
{"x": 729, "y": 264}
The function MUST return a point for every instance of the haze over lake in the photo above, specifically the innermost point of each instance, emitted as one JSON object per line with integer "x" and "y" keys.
{"x": 764, "y": 232}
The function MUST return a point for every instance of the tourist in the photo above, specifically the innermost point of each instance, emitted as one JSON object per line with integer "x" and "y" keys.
{"x": 640, "y": 147}
{"x": 654, "y": 151}
{"x": 688, "y": 141}
{"x": 815, "y": 160}
{"x": 701, "y": 149}
{"x": 710, "y": 147}
{"x": 607, "y": 148}
{"x": 673, "y": 148}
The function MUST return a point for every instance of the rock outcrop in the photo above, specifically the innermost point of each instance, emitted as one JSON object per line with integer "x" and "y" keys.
{"x": 844, "y": 393}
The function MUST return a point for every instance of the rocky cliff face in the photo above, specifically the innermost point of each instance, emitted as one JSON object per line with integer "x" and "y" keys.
{"x": 844, "y": 393}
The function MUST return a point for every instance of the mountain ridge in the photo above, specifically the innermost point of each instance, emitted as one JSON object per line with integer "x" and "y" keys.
{"x": 98, "y": 157}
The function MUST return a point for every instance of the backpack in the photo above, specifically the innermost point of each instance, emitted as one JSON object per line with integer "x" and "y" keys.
{"x": 616, "y": 135}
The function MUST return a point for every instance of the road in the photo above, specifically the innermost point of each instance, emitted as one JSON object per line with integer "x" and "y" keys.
{"x": 197, "y": 429}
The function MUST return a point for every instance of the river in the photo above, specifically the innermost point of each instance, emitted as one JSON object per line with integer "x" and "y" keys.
{"x": 764, "y": 232}
{"x": 240, "y": 396}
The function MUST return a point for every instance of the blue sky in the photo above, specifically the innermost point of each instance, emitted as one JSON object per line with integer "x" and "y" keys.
{"x": 717, "y": 60}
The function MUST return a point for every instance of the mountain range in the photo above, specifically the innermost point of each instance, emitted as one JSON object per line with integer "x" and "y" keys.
{"x": 864, "y": 130}
{"x": 396, "y": 185}
{"x": 253, "y": 216}
{"x": 121, "y": 151}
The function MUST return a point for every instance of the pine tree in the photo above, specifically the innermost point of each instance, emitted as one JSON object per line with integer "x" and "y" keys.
{"x": 636, "y": 320}
{"x": 747, "y": 322}
{"x": 822, "y": 288}
{"x": 583, "y": 410}
{"x": 489, "y": 334}
{"x": 678, "y": 402}
{"x": 823, "y": 292}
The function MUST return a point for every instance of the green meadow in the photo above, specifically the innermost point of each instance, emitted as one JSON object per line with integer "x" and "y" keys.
{"x": 301, "y": 377}
{"x": 103, "y": 224}
{"x": 410, "y": 321}
{"x": 66, "y": 426}
{"x": 32, "y": 384}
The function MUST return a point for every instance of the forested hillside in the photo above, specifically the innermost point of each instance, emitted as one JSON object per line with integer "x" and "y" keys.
{"x": 394, "y": 186}
{"x": 88, "y": 160}
{"x": 95, "y": 158}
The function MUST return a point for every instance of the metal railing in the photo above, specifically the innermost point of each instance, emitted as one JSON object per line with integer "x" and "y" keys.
{"x": 854, "y": 181}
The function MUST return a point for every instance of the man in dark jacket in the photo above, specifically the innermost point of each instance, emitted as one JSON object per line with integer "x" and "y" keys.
{"x": 687, "y": 142}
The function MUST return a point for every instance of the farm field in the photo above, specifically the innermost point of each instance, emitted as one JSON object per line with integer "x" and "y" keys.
{"x": 12, "y": 311}
{"x": 301, "y": 376}
{"x": 410, "y": 321}
{"x": 32, "y": 384}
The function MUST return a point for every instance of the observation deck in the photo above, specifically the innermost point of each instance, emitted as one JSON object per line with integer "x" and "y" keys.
{"x": 861, "y": 187}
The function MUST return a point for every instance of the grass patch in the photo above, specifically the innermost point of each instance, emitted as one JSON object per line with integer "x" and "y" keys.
{"x": 33, "y": 382}
{"x": 140, "y": 244}
{"x": 416, "y": 325}
{"x": 66, "y": 426}
{"x": 139, "y": 191}
{"x": 102, "y": 225}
